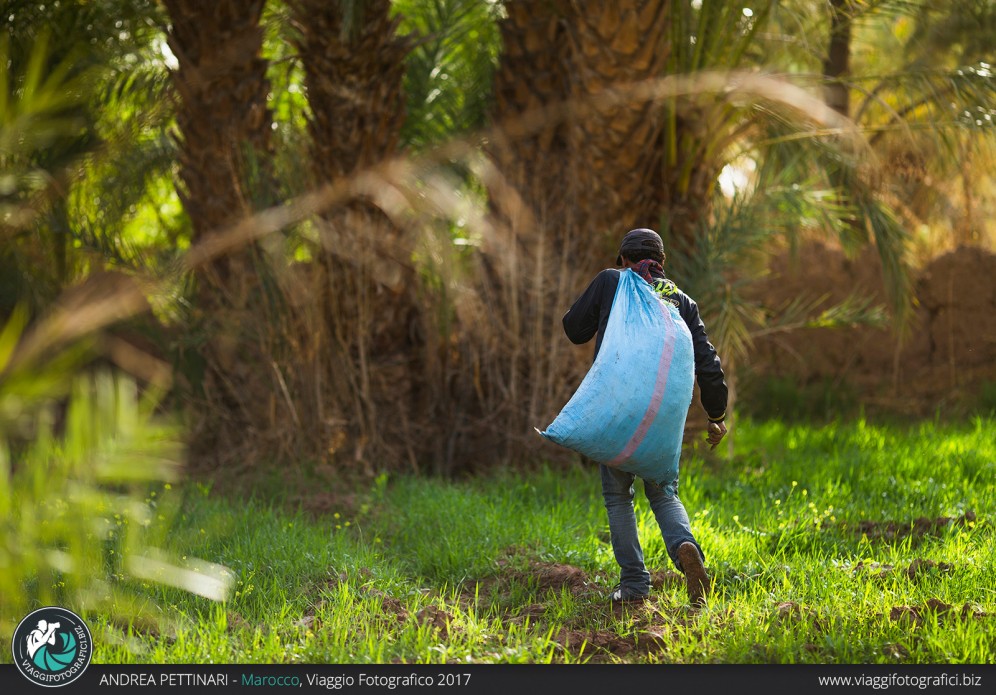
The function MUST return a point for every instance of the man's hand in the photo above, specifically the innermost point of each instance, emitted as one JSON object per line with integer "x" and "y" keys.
{"x": 717, "y": 430}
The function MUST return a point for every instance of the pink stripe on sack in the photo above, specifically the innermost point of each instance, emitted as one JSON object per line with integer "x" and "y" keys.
{"x": 663, "y": 367}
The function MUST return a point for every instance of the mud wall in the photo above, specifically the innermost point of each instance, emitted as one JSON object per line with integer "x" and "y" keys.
{"x": 947, "y": 355}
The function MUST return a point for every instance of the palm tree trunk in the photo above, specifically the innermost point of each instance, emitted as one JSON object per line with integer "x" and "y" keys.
{"x": 688, "y": 181}
{"x": 619, "y": 44}
{"x": 836, "y": 66}
{"x": 224, "y": 129}
{"x": 223, "y": 117}
{"x": 589, "y": 175}
{"x": 354, "y": 66}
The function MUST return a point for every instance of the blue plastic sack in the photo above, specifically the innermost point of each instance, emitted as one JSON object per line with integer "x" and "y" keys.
{"x": 629, "y": 411}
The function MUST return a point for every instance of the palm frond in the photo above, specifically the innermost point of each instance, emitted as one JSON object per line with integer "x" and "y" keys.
{"x": 813, "y": 312}
{"x": 941, "y": 100}
{"x": 82, "y": 114}
{"x": 112, "y": 448}
{"x": 450, "y": 70}
{"x": 962, "y": 29}
{"x": 891, "y": 239}
{"x": 730, "y": 254}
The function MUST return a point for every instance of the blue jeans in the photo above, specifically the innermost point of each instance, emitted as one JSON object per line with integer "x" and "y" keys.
{"x": 618, "y": 491}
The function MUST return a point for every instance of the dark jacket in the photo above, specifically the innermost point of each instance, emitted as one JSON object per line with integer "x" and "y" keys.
{"x": 589, "y": 315}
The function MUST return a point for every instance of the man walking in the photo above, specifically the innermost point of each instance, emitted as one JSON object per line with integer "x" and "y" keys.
{"x": 642, "y": 251}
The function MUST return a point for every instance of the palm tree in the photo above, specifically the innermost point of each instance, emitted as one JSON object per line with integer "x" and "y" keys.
{"x": 706, "y": 130}
{"x": 354, "y": 64}
{"x": 222, "y": 116}
{"x": 224, "y": 129}
{"x": 911, "y": 101}
{"x": 926, "y": 104}
{"x": 66, "y": 59}
{"x": 594, "y": 168}
{"x": 918, "y": 102}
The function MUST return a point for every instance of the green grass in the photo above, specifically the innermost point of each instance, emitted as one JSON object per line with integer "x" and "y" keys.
{"x": 809, "y": 533}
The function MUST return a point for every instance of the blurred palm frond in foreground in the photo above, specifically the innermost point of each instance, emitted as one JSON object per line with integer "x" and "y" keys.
{"x": 85, "y": 472}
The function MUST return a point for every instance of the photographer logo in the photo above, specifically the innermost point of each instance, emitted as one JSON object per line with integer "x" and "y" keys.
{"x": 52, "y": 646}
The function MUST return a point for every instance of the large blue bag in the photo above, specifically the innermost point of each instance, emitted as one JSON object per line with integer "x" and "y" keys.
{"x": 629, "y": 411}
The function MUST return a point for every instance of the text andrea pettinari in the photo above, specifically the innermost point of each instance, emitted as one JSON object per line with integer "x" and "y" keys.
{"x": 164, "y": 679}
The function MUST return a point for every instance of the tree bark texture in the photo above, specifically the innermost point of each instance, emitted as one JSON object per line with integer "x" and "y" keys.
{"x": 354, "y": 67}
{"x": 836, "y": 66}
{"x": 222, "y": 85}
{"x": 224, "y": 135}
{"x": 587, "y": 174}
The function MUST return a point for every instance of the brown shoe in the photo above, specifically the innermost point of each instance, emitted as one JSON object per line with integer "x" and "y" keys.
{"x": 696, "y": 578}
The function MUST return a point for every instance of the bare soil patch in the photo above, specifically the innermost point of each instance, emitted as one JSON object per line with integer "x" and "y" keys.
{"x": 551, "y": 575}
{"x": 516, "y": 567}
{"x": 530, "y": 613}
{"x": 921, "y": 526}
{"x": 918, "y": 569}
{"x": 391, "y": 607}
{"x": 790, "y": 612}
{"x": 597, "y": 641}
{"x": 435, "y": 617}
{"x": 917, "y": 614}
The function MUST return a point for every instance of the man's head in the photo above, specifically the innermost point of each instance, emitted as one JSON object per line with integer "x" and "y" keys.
{"x": 43, "y": 625}
{"x": 640, "y": 244}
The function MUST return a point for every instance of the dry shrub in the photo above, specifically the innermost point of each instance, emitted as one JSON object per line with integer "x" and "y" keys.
{"x": 393, "y": 348}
